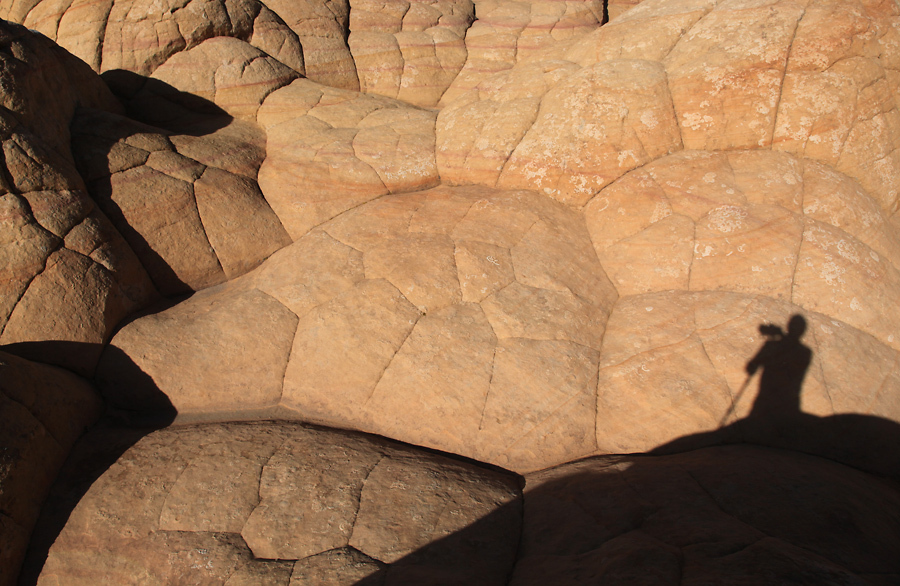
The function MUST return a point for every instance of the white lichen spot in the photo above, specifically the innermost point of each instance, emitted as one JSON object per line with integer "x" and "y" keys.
{"x": 650, "y": 308}
{"x": 756, "y": 269}
{"x": 707, "y": 250}
{"x": 709, "y": 178}
{"x": 660, "y": 212}
{"x": 855, "y": 304}
{"x": 696, "y": 121}
{"x": 649, "y": 120}
{"x": 832, "y": 272}
{"x": 727, "y": 218}
{"x": 845, "y": 249}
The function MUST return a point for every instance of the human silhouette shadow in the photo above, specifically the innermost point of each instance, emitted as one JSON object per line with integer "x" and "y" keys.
{"x": 867, "y": 442}
{"x": 698, "y": 510}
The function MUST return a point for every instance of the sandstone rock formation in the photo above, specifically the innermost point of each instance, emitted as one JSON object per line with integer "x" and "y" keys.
{"x": 277, "y": 503}
{"x": 67, "y": 275}
{"x": 501, "y": 229}
{"x": 420, "y": 317}
{"x": 43, "y": 410}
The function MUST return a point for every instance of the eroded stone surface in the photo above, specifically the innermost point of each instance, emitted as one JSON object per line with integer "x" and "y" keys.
{"x": 411, "y": 51}
{"x": 331, "y": 150}
{"x": 386, "y": 341}
{"x": 193, "y": 224}
{"x": 723, "y": 84}
{"x": 68, "y": 276}
{"x": 195, "y": 503}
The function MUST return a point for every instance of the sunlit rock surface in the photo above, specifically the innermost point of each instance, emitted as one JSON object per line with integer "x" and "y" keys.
{"x": 523, "y": 233}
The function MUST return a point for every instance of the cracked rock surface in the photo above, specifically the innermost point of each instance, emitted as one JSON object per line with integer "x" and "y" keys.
{"x": 280, "y": 503}
{"x": 534, "y": 236}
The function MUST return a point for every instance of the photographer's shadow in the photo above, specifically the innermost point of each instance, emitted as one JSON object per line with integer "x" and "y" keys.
{"x": 867, "y": 442}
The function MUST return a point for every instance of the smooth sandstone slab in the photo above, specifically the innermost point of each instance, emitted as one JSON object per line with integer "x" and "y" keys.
{"x": 236, "y": 346}
{"x": 694, "y": 349}
{"x": 362, "y": 323}
{"x": 193, "y": 224}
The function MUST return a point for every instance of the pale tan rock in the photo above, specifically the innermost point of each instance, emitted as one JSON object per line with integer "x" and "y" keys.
{"x": 661, "y": 25}
{"x": 755, "y": 222}
{"x": 693, "y": 349}
{"x": 631, "y": 123}
{"x": 228, "y": 72}
{"x": 450, "y": 353}
{"x": 838, "y": 101}
{"x": 322, "y": 31}
{"x": 411, "y": 51}
{"x": 729, "y": 88}
{"x": 539, "y": 406}
{"x": 615, "y": 8}
{"x": 330, "y": 150}
{"x": 305, "y": 489}
{"x": 735, "y": 513}
{"x": 726, "y": 75}
{"x": 509, "y": 32}
{"x": 477, "y": 133}
{"x": 362, "y": 329}
{"x": 44, "y": 410}
{"x": 236, "y": 346}
{"x": 385, "y": 341}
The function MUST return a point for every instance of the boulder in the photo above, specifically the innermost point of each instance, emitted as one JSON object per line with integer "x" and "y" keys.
{"x": 192, "y": 224}
{"x": 68, "y": 275}
{"x": 464, "y": 319}
{"x": 264, "y": 503}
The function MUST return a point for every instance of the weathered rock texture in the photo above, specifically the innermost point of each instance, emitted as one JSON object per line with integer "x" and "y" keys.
{"x": 330, "y": 150}
{"x": 192, "y": 225}
{"x": 464, "y": 319}
{"x": 508, "y": 32}
{"x": 687, "y": 74}
{"x": 411, "y": 51}
{"x": 43, "y": 410}
{"x": 67, "y": 274}
{"x": 530, "y": 238}
{"x": 274, "y": 503}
